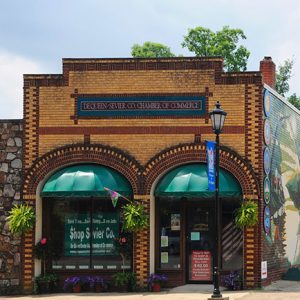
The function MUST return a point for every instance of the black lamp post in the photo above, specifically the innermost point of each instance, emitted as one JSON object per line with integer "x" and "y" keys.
{"x": 217, "y": 117}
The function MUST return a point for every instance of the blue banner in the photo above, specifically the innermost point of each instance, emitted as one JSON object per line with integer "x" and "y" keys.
{"x": 210, "y": 154}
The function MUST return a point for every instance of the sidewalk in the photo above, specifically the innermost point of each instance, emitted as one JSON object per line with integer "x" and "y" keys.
{"x": 279, "y": 290}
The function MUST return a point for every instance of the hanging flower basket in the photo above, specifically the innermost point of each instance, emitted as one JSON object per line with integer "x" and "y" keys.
{"x": 246, "y": 215}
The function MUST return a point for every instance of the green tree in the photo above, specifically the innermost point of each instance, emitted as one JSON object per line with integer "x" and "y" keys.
{"x": 283, "y": 76}
{"x": 204, "y": 42}
{"x": 293, "y": 99}
{"x": 150, "y": 49}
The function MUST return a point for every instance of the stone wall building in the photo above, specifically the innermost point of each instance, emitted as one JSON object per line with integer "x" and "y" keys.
{"x": 11, "y": 137}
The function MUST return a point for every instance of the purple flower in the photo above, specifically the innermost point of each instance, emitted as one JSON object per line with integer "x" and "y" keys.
{"x": 232, "y": 280}
{"x": 98, "y": 280}
{"x": 156, "y": 278}
{"x": 70, "y": 282}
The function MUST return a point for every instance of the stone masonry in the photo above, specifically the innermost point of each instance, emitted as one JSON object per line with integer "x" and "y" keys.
{"x": 11, "y": 132}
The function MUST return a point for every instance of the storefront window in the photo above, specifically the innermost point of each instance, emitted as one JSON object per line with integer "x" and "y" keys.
{"x": 85, "y": 232}
{"x": 169, "y": 233}
{"x": 232, "y": 237}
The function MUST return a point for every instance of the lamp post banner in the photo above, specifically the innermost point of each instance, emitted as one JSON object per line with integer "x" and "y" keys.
{"x": 211, "y": 170}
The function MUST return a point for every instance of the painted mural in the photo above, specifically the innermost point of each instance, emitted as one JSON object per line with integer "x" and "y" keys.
{"x": 281, "y": 182}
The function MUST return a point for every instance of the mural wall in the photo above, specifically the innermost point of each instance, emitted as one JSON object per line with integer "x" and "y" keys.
{"x": 281, "y": 183}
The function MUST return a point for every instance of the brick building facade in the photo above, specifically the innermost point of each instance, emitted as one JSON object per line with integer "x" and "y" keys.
{"x": 144, "y": 119}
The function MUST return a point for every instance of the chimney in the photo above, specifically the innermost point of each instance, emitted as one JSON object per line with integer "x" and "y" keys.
{"x": 268, "y": 71}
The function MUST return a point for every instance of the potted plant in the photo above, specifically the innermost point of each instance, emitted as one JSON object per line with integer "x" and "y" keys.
{"x": 233, "y": 280}
{"x": 134, "y": 217}
{"x": 46, "y": 283}
{"x": 21, "y": 219}
{"x": 155, "y": 281}
{"x": 39, "y": 251}
{"x": 124, "y": 281}
{"x": 44, "y": 250}
{"x": 123, "y": 247}
{"x": 246, "y": 215}
{"x": 73, "y": 284}
{"x": 98, "y": 284}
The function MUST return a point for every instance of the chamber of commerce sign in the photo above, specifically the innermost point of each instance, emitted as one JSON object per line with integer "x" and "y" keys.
{"x": 140, "y": 106}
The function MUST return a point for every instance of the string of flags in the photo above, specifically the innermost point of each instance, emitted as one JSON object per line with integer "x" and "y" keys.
{"x": 114, "y": 196}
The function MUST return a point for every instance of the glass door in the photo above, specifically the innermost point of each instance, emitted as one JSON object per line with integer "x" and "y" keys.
{"x": 199, "y": 243}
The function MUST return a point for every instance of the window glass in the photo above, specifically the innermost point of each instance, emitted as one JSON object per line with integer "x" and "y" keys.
{"x": 111, "y": 248}
{"x": 85, "y": 233}
{"x": 232, "y": 237}
{"x": 169, "y": 233}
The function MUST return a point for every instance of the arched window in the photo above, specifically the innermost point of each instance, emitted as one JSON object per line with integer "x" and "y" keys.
{"x": 80, "y": 221}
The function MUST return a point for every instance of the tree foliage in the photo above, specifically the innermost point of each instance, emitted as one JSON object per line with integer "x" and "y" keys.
{"x": 150, "y": 49}
{"x": 293, "y": 99}
{"x": 283, "y": 76}
{"x": 204, "y": 42}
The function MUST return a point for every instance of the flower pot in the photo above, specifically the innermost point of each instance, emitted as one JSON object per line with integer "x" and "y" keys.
{"x": 77, "y": 288}
{"x": 122, "y": 288}
{"x": 156, "y": 287}
{"x": 98, "y": 288}
{"x": 43, "y": 287}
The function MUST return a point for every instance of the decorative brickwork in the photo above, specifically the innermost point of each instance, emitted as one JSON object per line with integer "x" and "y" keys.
{"x": 80, "y": 153}
{"x": 138, "y": 64}
{"x": 187, "y": 153}
{"x": 141, "y": 255}
{"x": 31, "y": 113}
{"x": 136, "y": 130}
{"x": 27, "y": 259}
{"x": 253, "y": 152}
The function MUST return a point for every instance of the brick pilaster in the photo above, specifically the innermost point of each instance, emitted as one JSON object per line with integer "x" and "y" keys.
{"x": 141, "y": 253}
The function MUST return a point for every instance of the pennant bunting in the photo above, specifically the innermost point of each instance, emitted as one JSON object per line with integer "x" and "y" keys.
{"x": 114, "y": 196}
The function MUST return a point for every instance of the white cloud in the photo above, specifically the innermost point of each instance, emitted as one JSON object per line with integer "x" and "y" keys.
{"x": 12, "y": 68}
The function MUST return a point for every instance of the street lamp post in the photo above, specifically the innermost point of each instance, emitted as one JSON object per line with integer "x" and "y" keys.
{"x": 217, "y": 117}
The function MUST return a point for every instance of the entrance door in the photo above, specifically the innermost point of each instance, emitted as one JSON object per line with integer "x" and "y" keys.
{"x": 199, "y": 243}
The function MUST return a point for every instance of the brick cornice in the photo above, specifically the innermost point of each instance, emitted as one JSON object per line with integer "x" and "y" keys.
{"x": 187, "y": 153}
{"x": 239, "y": 78}
{"x": 142, "y": 64}
{"x": 80, "y": 153}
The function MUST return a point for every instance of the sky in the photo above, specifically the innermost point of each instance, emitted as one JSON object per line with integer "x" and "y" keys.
{"x": 37, "y": 34}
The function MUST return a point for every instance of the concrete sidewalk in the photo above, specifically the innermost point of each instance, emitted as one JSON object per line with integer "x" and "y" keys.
{"x": 280, "y": 290}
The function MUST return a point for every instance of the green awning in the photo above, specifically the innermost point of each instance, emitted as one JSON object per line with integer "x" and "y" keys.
{"x": 191, "y": 181}
{"x": 85, "y": 180}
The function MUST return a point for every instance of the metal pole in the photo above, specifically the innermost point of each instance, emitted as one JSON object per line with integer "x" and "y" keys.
{"x": 216, "y": 259}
